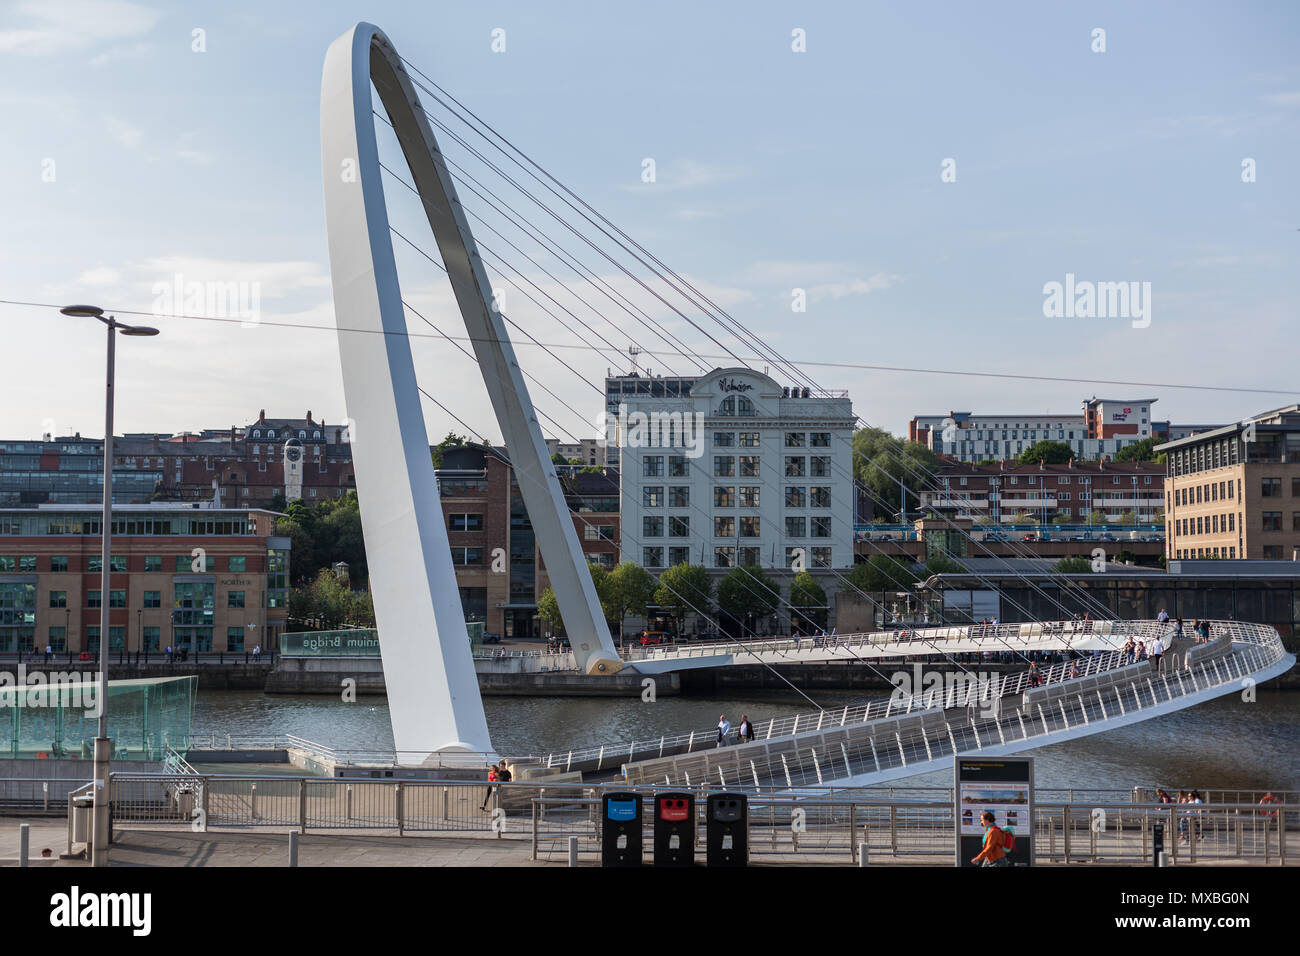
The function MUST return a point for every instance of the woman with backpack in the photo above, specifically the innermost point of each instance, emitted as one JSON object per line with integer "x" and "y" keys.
{"x": 992, "y": 852}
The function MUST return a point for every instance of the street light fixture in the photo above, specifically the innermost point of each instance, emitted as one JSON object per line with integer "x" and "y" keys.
{"x": 103, "y": 752}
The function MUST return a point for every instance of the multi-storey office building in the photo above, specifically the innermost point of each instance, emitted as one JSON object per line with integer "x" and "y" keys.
{"x": 1104, "y": 427}
{"x": 1234, "y": 492}
{"x": 732, "y": 468}
{"x": 205, "y": 579}
{"x": 1044, "y": 493}
{"x": 493, "y": 547}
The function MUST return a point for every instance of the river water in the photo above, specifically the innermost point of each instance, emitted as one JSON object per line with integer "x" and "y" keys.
{"x": 1223, "y": 744}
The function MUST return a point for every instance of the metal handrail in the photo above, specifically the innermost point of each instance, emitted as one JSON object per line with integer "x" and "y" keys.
{"x": 1261, "y": 648}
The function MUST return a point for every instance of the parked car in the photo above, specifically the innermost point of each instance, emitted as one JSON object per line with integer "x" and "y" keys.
{"x": 885, "y": 537}
{"x": 1106, "y": 537}
{"x": 489, "y": 638}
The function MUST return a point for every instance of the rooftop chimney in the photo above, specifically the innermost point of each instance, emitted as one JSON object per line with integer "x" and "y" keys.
{"x": 261, "y": 416}
{"x": 309, "y": 421}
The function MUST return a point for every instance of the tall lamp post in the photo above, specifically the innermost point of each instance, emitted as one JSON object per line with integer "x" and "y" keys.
{"x": 103, "y": 748}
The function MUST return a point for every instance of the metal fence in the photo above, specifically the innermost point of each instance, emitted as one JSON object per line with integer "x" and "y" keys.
{"x": 898, "y": 825}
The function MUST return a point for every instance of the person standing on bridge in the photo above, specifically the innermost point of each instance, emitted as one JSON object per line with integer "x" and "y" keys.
{"x": 724, "y": 730}
{"x": 1157, "y": 648}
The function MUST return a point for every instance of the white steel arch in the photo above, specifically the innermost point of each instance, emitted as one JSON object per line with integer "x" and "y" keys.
{"x": 432, "y": 687}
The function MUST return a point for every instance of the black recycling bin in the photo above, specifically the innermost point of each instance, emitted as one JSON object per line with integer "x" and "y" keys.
{"x": 1157, "y": 843}
{"x": 620, "y": 828}
{"x": 674, "y": 829}
{"x": 727, "y": 830}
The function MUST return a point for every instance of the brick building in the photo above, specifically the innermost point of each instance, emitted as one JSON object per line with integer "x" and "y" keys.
{"x": 493, "y": 548}
{"x": 202, "y": 578}
{"x": 998, "y": 493}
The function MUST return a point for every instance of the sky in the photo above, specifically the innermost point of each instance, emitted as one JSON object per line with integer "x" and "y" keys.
{"x": 921, "y": 172}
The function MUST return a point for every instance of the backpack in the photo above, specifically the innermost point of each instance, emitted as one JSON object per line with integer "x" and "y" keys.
{"x": 1008, "y": 840}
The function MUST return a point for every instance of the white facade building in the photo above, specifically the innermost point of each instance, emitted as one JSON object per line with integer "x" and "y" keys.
{"x": 748, "y": 472}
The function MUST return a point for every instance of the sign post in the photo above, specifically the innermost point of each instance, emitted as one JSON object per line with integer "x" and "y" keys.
{"x": 1003, "y": 786}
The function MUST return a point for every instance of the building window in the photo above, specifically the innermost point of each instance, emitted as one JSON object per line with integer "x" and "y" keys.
{"x": 117, "y": 598}
{"x": 795, "y": 497}
{"x": 821, "y": 557}
{"x": 652, "y": 496}
{"x": 58, "y": 563}
{"x": 724, "y": 466}
{"x": 652, "y": 557}
{"x": 652, "y": 526}
{"x": 724, "y": 439}
{"x": 58, "y": 599}
{"x": 819, "y": 439}
{"x": 1272, "y": 552}
{"x": 652, "y": 466}
{"x": 724, "y": 526}
{"x": 724, "y": 497}
{"x": 678, "y": 556}
{"x": 749, "y": 526}
{"x": 820, "y": 497}
{"x": 679, "y": 466}
{"x": 679, "y": 526}
{"x": 234, "y": 639}
{"x": 749, "y": 466}
{"x": 750, "y": 556}
{"x": 679, "y": 496}
{"x": 58, "y": 639}
{"x": 152, "y": 563}
{"x": 795, "y": 467}
{"x": 94, "y": 598}
{"x": 821, "y": 527}
{"x": 1272, "y": 520}
{"x": 1271, "y": 487}
{"x": 153, "y": 599}
{"x": 724, "y": 557}
{"x": 748, "y": 496}
{"x": 819, "y": 466}
{"x": 794, "y": 439}
{"x": 236, "y": 598}
{"x": 238, "y": 563}
{"x": 466, "y": 522}
{"x": 795, "y": 527}
{"x": 749, "y": 439}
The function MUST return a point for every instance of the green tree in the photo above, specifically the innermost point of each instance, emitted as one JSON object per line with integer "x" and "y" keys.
{"x": 941, "y": 565}
{"x": 810, "y": 599}
{"x": 548, "y": 609}
{"x": 1051, "y": 452}
{"x": 451, "y": 441}
{"x": 746, "y": 590}
{"x": 1127, "y": 517}
{"x": 1096, "y": 516}
{"x": 1073, "y": 565}
{"x": 1143, "y": 450}
{"x": 882, "y": 572}
{"x": 330, "y": 598}
{"x": 631, "y": 588}
{"x": 880, "y": 460}
{"x": 1023, "y": 517}
{"x": 1063, "y": 519}
{"x": 685, "y": 588}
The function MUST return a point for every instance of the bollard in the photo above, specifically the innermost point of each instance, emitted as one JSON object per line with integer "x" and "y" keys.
{"x": 862, "y": 854}
{"x": 573, "y": 851}
{"x": 24, "y": 840}
{"x": 1162, "y": 859}
{"x": 293, "y": 847}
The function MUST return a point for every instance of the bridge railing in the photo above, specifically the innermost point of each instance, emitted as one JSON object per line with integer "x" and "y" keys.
{"x": 857, "y": 749}
{"x": 605, "y": 755}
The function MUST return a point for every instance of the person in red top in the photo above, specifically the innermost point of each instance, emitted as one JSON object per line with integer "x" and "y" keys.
{"x": 992, "y": 853}
{"x": 492, "y": 778}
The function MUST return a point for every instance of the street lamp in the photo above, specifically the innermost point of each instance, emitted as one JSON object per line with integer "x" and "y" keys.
{"x": 103, "y": 751}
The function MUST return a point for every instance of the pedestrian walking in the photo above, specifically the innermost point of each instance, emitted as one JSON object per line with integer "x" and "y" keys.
{"x": 1157, "y": 648}
{"x": 724, "y": 730}
{"x": 746, "y": 729}
{"x": 991, "y": 851}
{"x": 170, "y": 654}
{"x": 257, "y": 652}
{"x": 492, "y": 779}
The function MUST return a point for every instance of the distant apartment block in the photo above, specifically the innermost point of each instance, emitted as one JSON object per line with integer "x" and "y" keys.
{"x": 1234, "y": 491}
